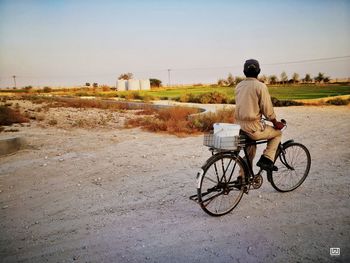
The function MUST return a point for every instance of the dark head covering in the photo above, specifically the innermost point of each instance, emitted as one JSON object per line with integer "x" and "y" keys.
{"x": 251, "y": 68}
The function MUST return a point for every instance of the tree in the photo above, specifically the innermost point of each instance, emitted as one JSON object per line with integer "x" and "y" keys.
{"x": 28, "y": 88}
{"x": 230, "y": 80}
{"x": 126, "y": 76}
{"x": 155, "y": 83}
{"x": 320, "y": 77}
{"x": 47, "y": 89}
{"x": 284, "y": 77}
{"x": 87, "y": 84}
{"x": 307, "y": 78}
{"x": 238, "y": 79}
{"x": 295, "y": 77}
{"x": 263, "y": 79}
{"x": 222, "y": 82}
{"x": 273, "y": 79}
{"x": 95, "y": 85}
{"x": 326, "y": 79}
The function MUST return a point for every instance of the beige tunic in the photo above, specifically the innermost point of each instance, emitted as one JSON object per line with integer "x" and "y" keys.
{"x": 252, "y": 101}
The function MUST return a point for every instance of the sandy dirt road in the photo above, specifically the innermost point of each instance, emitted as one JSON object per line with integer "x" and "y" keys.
{"x": 122, "y": 196}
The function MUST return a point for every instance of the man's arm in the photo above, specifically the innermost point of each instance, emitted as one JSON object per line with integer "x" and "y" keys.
{"x": 266, "y": 108}
{"x": 265, "y": 103}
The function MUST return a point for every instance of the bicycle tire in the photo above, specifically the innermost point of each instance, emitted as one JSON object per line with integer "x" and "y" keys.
{"x": 293, "y": 163}
{"x": 218, "y": 194}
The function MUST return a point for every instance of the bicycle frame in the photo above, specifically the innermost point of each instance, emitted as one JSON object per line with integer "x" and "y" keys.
{"x": 249, "y": 164}
{"x": 247, "y": 161}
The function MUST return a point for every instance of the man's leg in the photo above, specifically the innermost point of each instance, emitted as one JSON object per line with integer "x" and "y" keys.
{"x": 274, "y": 138}
{"x": 251, "y": 151}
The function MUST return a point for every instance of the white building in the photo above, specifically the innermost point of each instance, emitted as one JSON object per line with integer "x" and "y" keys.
{"x": 133, "y": 84}
{"x": 121, "y": 85}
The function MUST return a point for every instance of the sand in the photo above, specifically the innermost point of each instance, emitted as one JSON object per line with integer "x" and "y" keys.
{"x": 108, "y": 194}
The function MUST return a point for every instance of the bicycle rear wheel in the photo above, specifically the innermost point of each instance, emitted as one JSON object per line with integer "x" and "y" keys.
{"x": 293, "y": 163}
{"x": 219, "y": 191}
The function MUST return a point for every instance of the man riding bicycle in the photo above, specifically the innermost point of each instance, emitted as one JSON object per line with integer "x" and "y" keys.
{"x": 252, "y": 102}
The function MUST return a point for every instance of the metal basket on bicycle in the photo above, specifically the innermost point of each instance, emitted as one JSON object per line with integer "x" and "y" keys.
{"x": 225, "y": 136}
{"x": 222, "y": 142}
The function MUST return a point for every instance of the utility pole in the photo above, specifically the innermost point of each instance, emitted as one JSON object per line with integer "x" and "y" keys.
{"x": 169, "y": 77}
{"x": 14, "y": 80}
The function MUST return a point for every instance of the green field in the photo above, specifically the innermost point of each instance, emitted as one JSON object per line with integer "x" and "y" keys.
{"x": 286, "y": 92}
{"x": 281, "y": 92}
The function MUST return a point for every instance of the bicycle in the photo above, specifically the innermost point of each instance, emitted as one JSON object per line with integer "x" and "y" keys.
{"x": 219, "y": 188}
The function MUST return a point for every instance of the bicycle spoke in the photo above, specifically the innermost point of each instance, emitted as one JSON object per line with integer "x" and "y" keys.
{"x": 218, "y": 194}
{"x": 210, "y": 199}
{"x": 293, "y": 166}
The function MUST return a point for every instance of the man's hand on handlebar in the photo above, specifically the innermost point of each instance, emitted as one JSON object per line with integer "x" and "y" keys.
{"x": 278, "y": 125}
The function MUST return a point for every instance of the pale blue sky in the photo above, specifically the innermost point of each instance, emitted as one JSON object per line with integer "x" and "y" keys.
{"x": 56, "y": 42}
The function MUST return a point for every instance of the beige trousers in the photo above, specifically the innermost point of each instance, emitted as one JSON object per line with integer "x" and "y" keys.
{"x": 269, "y": 133}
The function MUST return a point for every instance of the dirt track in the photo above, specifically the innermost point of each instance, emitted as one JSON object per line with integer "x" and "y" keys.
{"x": 122, "y": 196}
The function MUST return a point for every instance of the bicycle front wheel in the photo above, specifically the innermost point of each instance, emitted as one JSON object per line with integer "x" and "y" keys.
{"x": 219, "y": 189}
{"x": 293, "y": 163}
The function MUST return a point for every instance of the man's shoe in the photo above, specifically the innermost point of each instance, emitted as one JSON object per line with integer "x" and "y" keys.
{"x": 266, "y": 164}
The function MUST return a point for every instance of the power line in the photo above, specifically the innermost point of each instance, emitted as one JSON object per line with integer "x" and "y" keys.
{"x": 327, "y": 59}
{"x": 310, "y": 60}
{"x": 270, "y": 64}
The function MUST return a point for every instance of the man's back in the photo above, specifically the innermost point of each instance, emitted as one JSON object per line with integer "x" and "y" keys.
{"x": 252, "y": 100}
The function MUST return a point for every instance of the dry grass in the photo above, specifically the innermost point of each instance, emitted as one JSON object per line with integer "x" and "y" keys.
{"x": 169, "y": 120}
{"x": 87, "y": 103}
{"x": 57, "y": 102}
{"x": 9, "y": 116}
{"x": 205, "y": 98}
{"x": 204, "y": 122}
{"x": 337, "y": 100}
{"x": 181, "y": 121}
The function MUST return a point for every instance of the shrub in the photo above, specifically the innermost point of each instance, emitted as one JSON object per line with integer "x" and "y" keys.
{"x": 28, "y": 88}
{"x": 181, "y": 120}
{"x": 147, "y": 97}
{"x": 54, "y": 102}
{"x": 338, "y": 101}
{"x": 204, "y": 98}
{"x": 47, "y": 89}
{"x": 213, "y": 98}
{"x": 39, "y": 117}
{"x": 204, "y": 122}
{"x": 9, "y": 116}
{"x": 82, "y": 94}
{"x": 105, "y": 88}
{"x": 52, "y": 122}
{"x": 135, "y": 95}
{"x": 285, "y": 103}
{"x": 171, "y": 120}
{"x": 175, "y": 113}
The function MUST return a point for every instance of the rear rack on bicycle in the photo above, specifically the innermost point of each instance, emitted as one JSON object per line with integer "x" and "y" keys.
{"x": 223, "y": 143}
